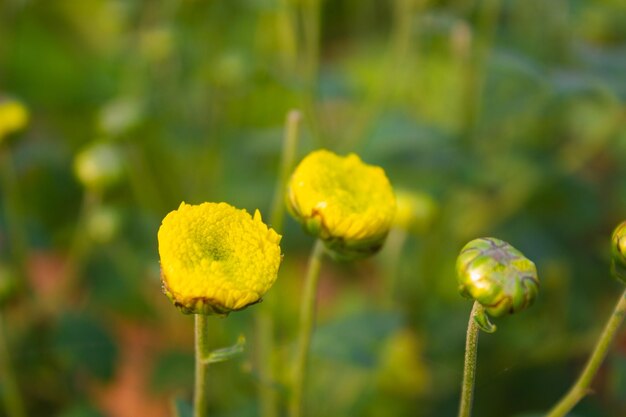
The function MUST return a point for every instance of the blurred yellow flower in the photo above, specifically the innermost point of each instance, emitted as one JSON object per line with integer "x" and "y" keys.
{"x": 416, "y": 211}
{"x": 13, "y": 117}
{"x": 402, "y": 370}
{"x": 348, "y": 204}
{"x": 216, "y": 258}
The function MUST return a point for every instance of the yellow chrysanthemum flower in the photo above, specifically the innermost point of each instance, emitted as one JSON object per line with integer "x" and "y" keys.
{"x": 13, "y": 117}
{"x": 216, "y": 258}
{"x": 348, "y": 204}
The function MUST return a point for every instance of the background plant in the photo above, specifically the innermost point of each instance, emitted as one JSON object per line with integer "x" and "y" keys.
{"x": 509, "y": 114}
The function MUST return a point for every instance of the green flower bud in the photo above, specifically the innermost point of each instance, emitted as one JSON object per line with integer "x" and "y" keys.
{"x": 618, "y": 250}
{"x": 98, "y": 166}
{"x": 498, "y": 276}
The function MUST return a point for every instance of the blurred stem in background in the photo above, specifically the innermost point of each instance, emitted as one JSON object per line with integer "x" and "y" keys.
{"x": 79, "y": 247}
{"x": 200, "y": 398}
{"x": 307, "y": 318}
{"x": 481, "y": 45}
{"x": 264, "y": 322}
{"x": 11, "y": 396}
{"x": 13, "y": 402}
{"x": 288, "y": 155}
{"x": 311, "y": 13}
{"x": 401, "y": 45}
{"x": 469, "y": 369}
{"x": 395, "y": 244}
{"x": 13, "y": 207}
{"x": 581, "y": 387}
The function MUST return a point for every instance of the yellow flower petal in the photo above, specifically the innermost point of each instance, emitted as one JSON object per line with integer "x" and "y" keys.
{"x": 216, "y": 258}
{"x": 345, "y": 202}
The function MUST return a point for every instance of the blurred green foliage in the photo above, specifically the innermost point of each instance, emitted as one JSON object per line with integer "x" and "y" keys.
{"x": 509, "y": 113}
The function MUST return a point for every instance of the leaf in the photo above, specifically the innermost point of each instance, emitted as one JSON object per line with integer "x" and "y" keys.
{"x": 224, "y": 354}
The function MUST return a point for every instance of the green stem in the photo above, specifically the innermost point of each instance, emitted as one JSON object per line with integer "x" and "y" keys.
{"x": 307, "y": 318}
{"x": 395, "y": 244}
{"x": 469, "y": 369}
{"x": 581, "y": 388}
{"x": 476, "y": 69}
{"x": 13, "y": 403}
{"x": 399, "y": 63}
{"x": 311, "y": 20}
{"x": 79, "y": 248}
{"x": 288, "y": 155}
{"x": 200, "y": 398}
{"x": 264, "y": 323}
{"x": 13, "y": 207}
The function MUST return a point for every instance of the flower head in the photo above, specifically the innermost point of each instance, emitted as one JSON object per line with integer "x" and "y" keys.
{"x": 348, "y": 204}
{"x": 216, "y": 258}
{"x": 496, "y": 275}
{"x": 13, "y": 117}
{"x": 618, "y": 249}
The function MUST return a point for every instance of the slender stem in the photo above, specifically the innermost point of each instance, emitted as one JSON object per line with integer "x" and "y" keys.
{"x": 13, "y": 207}
{"x": 288, "y": 155}
{"x": 469, "y": 369}
{"x": 395, "y": 244}
{"x": 13, "y": 403}
{"x": 581, "y": 387}
{"x": 200, "y": 398}
{"x": 264, "y": 323}
{"x": 311, "y": 28}
{"x": 475, "y": 70}
{"x": 307, "y": 318}
{"x": 79, "y": 247}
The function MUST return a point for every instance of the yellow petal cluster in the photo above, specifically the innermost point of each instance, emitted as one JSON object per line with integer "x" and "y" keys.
{"x": 343, "y": 201}
{"x": 13, "y": 117}
{"x": 216, "y": 258}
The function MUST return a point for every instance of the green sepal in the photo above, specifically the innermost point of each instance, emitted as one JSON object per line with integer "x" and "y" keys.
{"x": 482, "y": 320}
{"x": 618, "y": 270}
{"x": 345, "y": 250}
{"x": 200, "y": 305}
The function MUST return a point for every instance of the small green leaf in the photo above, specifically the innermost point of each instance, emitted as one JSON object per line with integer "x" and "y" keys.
{"x": 224, "y": 354}
{"x": 483, "y": 322}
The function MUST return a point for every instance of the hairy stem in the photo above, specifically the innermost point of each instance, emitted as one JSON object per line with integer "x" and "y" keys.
{"x": 469, "y": 369}
{"x": 581, "y": 387}
{"x": 200, "y": 398}
{"x": 264, "y": 321}
{"x": 307, "y": 318}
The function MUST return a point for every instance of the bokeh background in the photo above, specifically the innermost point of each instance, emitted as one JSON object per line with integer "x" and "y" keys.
{"x": 500, "y": 117}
